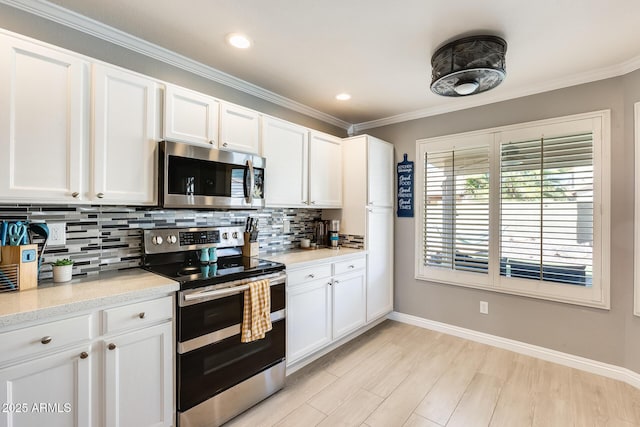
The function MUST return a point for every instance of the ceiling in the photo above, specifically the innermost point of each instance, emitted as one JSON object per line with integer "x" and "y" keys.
{"x": 379, "y": 51}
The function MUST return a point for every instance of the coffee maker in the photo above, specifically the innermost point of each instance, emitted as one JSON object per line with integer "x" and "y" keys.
{"x": 334, "y": 229}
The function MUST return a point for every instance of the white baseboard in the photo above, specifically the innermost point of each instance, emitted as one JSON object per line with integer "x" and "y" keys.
{"x": 593, "y": 366}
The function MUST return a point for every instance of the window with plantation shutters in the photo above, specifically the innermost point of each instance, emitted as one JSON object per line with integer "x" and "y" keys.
{"x": 546, "y": 210}
{"x": 456, "y": 224}
{"x": 522, "y": 209}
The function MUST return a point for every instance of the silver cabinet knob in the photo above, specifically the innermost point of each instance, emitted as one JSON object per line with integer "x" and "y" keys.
{"x": 224, "y": 144}
{"x": 100, "y": 195}
{"x": 141, "y": 315}
{"x": 84, "y": 355}
{"x": 75, "y": 194}
{"x": 211, "y": 142}
{"x": 111, "y": 346}
{"x": 46, "y": 340}
{"x": 313, "y": 202}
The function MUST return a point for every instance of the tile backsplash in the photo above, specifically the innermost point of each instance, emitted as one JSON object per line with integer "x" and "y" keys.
{"x": 101, "y": 238}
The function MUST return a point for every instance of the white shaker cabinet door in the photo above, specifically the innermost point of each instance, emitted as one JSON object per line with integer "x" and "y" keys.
{"x": 308, "y": 318}
{"x": 379, "y": 243}
{"x": 285, "y": 146}
{"x": 349, "y": 303}
{"x": 239, "y": 129}
{"x": 124, "y": 137}
{"x": 190, "y": 117}
{"x": 52, "y": 391}
{"x": 43, "y": 117}
{"x": 139, "y": 378}
{"x": 325, "y": 171}
{"x": 380, "y": 173}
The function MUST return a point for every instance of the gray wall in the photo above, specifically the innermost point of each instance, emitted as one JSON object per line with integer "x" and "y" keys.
{"x": 610, "y": 336}
{"x": 41, "y": 29}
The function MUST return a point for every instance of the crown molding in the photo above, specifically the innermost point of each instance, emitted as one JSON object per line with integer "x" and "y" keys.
{"x": 490, "y": 98}
{"x": 68, "y": 18}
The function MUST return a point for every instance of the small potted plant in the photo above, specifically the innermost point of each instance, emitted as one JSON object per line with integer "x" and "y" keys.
{"x": 62, "y": 269}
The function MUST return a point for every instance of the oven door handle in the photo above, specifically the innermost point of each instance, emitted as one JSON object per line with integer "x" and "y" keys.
{"x": 225, "y": 292}
{"x": 217, "y": 293}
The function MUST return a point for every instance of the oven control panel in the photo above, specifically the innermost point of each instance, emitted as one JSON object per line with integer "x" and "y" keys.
{"x": 163, "y": 240}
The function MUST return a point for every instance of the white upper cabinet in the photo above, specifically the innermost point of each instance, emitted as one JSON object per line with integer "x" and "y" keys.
{"x": 325, "y": 170}
{"x": 286, "y": 148}
{"x": 380, "y": 173}
{"x": 239, "y": 129}
{"x": 43, "y": 122}
{"x": 126, "y": 114}
{"x": 190, "y": 117}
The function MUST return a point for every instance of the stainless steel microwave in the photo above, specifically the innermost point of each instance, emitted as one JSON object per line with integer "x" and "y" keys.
{"x": 205, "y": 178}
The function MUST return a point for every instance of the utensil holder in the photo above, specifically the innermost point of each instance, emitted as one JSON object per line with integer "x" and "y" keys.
{"x": 250, "y": 249}
{"x": 26, "y": 257}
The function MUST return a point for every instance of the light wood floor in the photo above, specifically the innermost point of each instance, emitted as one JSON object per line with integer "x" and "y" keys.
{"x": 402, "y": 375}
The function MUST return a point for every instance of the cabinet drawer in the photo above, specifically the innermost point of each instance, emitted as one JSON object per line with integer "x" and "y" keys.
{"x": 310, "y": 273}
{"x": 38, "y": 339}
{"x": 349, "y": 265}
{"x": 137, "y": 315}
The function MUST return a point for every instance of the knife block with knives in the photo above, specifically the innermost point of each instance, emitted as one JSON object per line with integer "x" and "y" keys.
{"x": 251, "y": 246}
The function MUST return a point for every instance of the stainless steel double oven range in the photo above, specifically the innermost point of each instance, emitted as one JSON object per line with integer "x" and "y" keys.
{"x": 217, "y": 376}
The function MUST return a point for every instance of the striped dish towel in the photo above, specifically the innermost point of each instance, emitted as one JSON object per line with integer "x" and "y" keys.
{"x": 256, "y": 317}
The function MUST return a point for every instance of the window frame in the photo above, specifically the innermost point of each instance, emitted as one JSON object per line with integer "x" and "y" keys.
{"x": 597, "y": 295}
{"x": 636, "y": 231}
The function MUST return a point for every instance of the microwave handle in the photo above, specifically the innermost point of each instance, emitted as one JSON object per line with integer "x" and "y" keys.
{"x": 252, "y": 182}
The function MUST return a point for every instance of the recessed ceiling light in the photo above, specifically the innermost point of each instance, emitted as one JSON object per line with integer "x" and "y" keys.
{"x": 343, "y": 97}
{"x": 239, "y": 40}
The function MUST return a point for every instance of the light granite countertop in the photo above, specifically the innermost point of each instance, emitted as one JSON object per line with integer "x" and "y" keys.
{"x": 81, "y": 294}
{"x": 298, "y": 258}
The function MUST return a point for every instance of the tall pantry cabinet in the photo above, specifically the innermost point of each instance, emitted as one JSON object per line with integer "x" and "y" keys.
{"x": 368, "y": 211}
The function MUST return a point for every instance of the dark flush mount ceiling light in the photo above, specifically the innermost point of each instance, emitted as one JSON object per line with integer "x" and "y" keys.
{"x": 468, "y": 66}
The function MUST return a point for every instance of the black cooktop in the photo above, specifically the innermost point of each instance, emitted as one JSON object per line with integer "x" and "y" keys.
{"x": 193, "y": 274}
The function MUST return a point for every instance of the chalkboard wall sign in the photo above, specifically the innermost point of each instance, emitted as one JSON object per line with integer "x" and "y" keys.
{"x": 405, "y": 188}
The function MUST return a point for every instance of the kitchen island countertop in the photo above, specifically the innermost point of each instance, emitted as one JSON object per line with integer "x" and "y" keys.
{"x": 81, "y": 294}
{"x": 299, "y": 258}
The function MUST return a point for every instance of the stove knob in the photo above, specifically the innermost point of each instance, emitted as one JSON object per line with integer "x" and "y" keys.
{"x": 157, "y": 240}
{"x": 171, "y": 239}
{"x": 225, "y": 236}
{"x": 235, "y": 235}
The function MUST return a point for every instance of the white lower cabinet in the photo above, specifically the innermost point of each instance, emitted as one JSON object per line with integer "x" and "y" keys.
{"x": 66, "y": 373}
{"x": 349, "y": 303}
{"x": 52, "y": 390}
{"x": 308, "y": 318}
{"x": 325, "y": 302}
{"x": 138, "y": 377}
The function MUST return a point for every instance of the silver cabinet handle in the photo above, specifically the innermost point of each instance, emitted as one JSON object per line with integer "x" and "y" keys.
{"x": 84, "y": 355}
{"x": 211, "y": 141}
{"x": 313, "y": 202}
{"x": 336, "y": 281}
{"x": 224, "y": 144}
{"x": 329, "y": 283}
{"x": 46, "y": 340}
{"x": 75, "y": 194}
{"x": 141, "y": 315}
{"x": 352, "y": 266}
{"x": 111, "y": 346}
{"x": 100, "y": 195}
{"x": 311, "y": 276}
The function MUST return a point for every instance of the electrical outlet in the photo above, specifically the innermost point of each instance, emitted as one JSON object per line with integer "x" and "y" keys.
{"x": 484, "y": 307}
{"x": 57, "y": 234}
{"x": 286, "y": 226}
